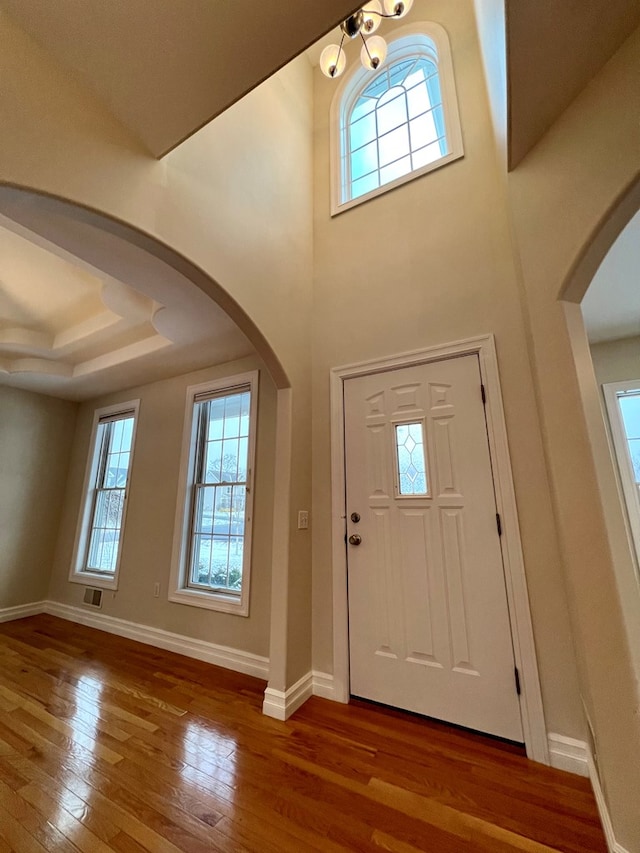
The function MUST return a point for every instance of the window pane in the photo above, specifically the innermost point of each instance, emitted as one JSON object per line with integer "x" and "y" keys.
{"x": 394, "y": 145}
{"x": 392, "y": 110}
{"x": 363, "y": 107}
{"x": 634, "y": 450}
{"x": 364, "y": 160}
{"x": 105, "y": 531}
{"x": 412, "y": 476}
{"x": 362, "y": 131}
{"x": 423, "y": 131}
{"x": 395, "y": 170}
{"x": 365, "y": 185}
{"x": 418, "y": 100}
{"x": 426, "y": 155}
{"x": 216, "y": 418}
{"x": 213, "y": 462}
{"x": 630, "y": 407}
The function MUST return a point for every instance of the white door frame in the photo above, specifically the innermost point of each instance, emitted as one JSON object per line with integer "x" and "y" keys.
{"x": 533, "y": 724}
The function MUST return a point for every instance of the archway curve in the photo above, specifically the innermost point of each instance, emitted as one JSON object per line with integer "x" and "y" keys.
{"x": 45, "y": 214}
{"x": 599, "y": 242}
{"x": 38, "y": 211}
{"x": 596, "y": 246}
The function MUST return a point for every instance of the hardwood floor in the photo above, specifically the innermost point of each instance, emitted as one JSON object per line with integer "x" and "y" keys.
{"x": 106, "y": 744}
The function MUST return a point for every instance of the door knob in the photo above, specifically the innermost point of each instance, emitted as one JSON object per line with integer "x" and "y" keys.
{"x": 355, "y": 539}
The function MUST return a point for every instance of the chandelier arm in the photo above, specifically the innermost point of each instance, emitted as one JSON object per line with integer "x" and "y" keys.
{"x": 339, "y": 49}
{"x": 364, "y": 42}
{"x": 380, "y": 14}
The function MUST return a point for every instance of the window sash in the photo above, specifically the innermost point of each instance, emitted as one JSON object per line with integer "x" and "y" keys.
{"x": 105, "y": 434}
{"x": 200, "y": 485}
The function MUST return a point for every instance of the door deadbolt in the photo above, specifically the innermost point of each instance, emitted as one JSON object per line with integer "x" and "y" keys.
{"x": 355, "y": 539}
{"x": 355, "y": 517}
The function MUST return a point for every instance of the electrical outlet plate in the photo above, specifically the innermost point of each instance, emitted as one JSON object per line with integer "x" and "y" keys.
{"x": 303, "y": 519}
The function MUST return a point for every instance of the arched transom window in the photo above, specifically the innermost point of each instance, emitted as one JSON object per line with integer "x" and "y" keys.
{"x": 399, "y": 123}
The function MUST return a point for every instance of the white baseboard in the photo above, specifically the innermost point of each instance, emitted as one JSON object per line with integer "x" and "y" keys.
{"x": 21, "y": 611}
{"x": 605, "y": 818}
{"x": 281, "y": 704}
{"x": 229, "y": 658}
{"x": 572, "y": 755}
{"x": 322, "y": 685}
{"x": 566, "y": 753}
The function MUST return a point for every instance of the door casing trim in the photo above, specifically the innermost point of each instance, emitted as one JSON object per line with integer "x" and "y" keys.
{"x": 531, "y": 707}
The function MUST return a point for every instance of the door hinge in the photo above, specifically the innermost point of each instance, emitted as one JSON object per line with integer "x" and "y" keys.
{"x": 499, "y": 524}
{"x": 483, "y": 394}
{"x": 517, "y": 675}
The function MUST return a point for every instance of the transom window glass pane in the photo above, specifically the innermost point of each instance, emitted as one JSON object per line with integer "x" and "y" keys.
{"x": 395, "y": 126}
{"x": 412, "y": 473}
{"x": 630, "y": 408}
{"x": 220, "y": 488}
{"x": 114, "y": 438}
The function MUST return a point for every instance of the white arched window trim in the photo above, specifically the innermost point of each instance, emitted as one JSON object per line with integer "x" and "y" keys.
{"x": 420, "y": 39}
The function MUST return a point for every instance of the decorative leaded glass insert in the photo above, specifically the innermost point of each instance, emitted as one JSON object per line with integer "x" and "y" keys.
{"x": 412, "y": 473}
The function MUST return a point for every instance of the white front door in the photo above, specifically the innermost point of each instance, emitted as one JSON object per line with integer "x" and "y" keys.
{"x": 429, "y": 626}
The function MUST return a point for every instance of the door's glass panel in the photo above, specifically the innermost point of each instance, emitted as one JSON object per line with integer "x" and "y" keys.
{"x": 412, "y": 472}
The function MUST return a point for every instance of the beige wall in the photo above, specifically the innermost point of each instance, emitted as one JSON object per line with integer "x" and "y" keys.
{"x": 427, "y": 264}
{"x": 235, "y": 201}
{"x": 148, "y": 536}
{"x": 570, "y": 198}
{"x": 615, "y": 361}
{"x": 36, "y": 433}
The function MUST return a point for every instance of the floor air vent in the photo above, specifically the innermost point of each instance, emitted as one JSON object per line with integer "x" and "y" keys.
{"x": 93, "y": 597}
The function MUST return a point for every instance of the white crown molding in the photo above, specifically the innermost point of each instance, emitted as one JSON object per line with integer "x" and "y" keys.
{"x": 235, "y": 659}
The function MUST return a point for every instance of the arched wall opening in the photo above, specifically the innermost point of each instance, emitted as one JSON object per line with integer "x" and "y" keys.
{"x": 573, "y": 292}
{"x": 126, "y": 253}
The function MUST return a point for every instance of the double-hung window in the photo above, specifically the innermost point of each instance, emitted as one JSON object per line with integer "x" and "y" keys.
{"x": 102, "y": 514}
{"x": 212, "y": 543}
{"x": 623, "y": 408}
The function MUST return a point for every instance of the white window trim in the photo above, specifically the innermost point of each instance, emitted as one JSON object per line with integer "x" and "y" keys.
{"x": 623, "y": 459}
{"x": 399, "y": 47}
{"x": 77, "y": 573}
{"x": 178, "y": 590}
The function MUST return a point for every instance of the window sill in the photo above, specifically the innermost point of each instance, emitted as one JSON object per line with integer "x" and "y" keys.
{"x": 94, "y": 579}
{"x": 239, "y": 606}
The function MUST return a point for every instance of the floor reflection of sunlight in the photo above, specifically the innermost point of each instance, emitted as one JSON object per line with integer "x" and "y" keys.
{"x": 73, "y": 805}
{"x": 210, "y": 752}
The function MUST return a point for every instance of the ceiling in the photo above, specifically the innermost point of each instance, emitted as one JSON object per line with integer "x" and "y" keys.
{"x": 554, "y": 48}
{"x": 165, "y": 69}
{"x": 611, "y": 307}
{"x": 69, "y": 331}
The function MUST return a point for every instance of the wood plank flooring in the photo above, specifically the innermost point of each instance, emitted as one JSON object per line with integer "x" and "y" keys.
{"x": 110, "y": 745}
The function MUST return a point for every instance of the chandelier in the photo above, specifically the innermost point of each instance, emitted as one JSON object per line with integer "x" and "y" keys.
{"x": 363, "y": 23}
